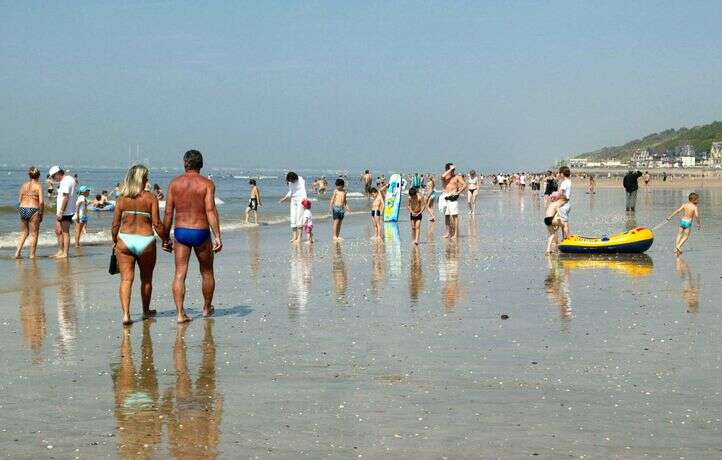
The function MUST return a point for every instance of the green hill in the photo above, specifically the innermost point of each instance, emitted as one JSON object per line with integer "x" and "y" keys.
{"x": 699, "y": 137}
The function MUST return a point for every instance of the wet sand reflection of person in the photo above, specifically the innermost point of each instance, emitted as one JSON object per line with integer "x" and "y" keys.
{"x": 378, "y": 268}
{"x": 67, "y": 321}
{"x": 690, "y": 286}
{"x": 254, "y": 251}
{"x": 137, "y": 399}
{"x": 33, "y": 321}
{"x": 299, "y": 280}
{"x": 416, "y": 275}
{"x": 194, "y": 410}
{"x": 449, "y": 277}
{"x": 557, "y": 287}
{"x": 339, "y": 273}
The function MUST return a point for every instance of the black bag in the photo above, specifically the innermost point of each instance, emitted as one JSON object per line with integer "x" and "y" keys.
{"x": 113, "y": 267}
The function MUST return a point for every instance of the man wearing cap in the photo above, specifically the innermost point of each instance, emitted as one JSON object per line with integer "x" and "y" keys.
{"x": 65, "y": 209}
{"x": 454, "y": 186}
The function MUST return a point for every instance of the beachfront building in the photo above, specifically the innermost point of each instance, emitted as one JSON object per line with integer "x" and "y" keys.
{"x": 578, "y": 163}
{"x": 641, "y": 158}
{"x": 687, "y": 161}
{"x": 715, "y": 154}
{"x": 612, "y": 163}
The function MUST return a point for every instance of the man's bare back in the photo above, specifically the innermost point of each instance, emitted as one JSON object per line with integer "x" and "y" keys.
{"x": 191, "y": 196}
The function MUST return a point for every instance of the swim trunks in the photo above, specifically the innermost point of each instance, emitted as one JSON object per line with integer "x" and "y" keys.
{"x": 27, "y": 213}
{"x": 685, "y": 223}
{"x": 415, "y": 218}
{"x": 308, "y": 228}
{"x": 338, "y": 213}
{"x": 193, "y": 237}
{"x": 548, "y": 221}
{"x": 564, "y": 212}
{"x": 253, "y": 204}
{"x": 375, "y": 213}
{"x": 67, "y": 218}
{"x": 452, "y": 205}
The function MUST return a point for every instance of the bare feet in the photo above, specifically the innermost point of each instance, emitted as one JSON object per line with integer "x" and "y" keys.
{"x": 127, "y": 321}
{"x": 149, "y": 314}
{"x": 445, "y": 235}
{"x": 182, "y": 319}
{"x": 208, "y": 313}
{"x": 18, "y": 255}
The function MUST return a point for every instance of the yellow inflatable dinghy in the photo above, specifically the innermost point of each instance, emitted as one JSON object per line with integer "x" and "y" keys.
{"x": 636, "y": 240}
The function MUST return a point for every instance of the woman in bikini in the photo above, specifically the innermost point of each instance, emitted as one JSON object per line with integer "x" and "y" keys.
{"x": 472, "y": 183}
{"x": 136, "y": 217}
{"x": 430, "y": 195}
{"x": 31, "y": 203}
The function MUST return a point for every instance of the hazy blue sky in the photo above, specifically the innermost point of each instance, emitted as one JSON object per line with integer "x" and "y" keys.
{"x": 349, "y": 84}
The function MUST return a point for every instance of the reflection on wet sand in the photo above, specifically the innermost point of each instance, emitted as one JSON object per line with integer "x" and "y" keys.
{"x": 630, "y": 221}
{"x": 378, "y": 268}
{"x": 449, "y": 277}
{"x": 192, "y": 411}
{"x": 690, "y": 286}
{"x": 299, "y": 280}
{"x": 416, "y": 275}
{"x": 32, "y": 308}
{"x": 632, "y": 265}
{"x": 339, "y": 273}
{"x": 557, "y": 286}
{"x": 253, "y": 238}
{"x": 137, "y": 399}
{"x": 67, "y": 321}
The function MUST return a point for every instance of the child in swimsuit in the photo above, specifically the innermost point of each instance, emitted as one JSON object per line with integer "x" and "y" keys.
{"x": 416, "y": 211}
{"x": 307, "y": 219}
{"x": 377, "y": 208}
{"x": 690, "y": 212}
{"x": 552, "y": 220}
{"x": 81, "y": 212}
{"x": 253, "y": 202}
{"x": 338, "y": 207}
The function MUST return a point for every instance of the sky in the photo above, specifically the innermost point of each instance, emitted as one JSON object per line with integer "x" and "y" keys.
{"x": 347, "y": 84}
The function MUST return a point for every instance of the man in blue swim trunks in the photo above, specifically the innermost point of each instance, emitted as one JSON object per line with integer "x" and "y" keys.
{"x": 191, "y": 202}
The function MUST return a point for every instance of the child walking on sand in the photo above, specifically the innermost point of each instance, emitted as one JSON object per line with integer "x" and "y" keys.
{"x": 552, "y": 221}
{"x": 307, "y": 219}
{"x": 690, "y": 212}
{"x": 338, "y": 207}
{"x": 377, "y": 208}
{"x": 416, "y": 207}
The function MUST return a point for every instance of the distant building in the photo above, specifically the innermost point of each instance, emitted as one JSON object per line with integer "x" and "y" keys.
{"x": 715, "y": 153}
{"x": 687, "y": 161}
{"x": 578, "y": 162}
{"x": 641, "y": 158}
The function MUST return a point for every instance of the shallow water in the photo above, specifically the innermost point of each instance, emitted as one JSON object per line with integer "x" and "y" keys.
{"x": 373, "y": 350}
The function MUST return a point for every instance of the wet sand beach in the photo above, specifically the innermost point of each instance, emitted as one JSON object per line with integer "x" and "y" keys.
{"x": 371, "y": 350}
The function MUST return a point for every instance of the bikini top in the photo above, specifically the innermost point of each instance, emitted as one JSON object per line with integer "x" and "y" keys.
{"x": 138, "y": 213}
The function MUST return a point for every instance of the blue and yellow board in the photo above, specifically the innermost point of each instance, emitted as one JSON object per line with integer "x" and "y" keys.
{"x": 393, "y": 199}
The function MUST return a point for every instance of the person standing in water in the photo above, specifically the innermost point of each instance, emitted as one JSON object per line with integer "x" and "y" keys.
{"x": 630, "y": 187}
{"x": 253, "y": 202}
{"x": 31, "y": 205}
{"x": 430, "y": 195}
{"x": 296, "y": 194}
{"x": 338, "y": 206}
{"x": 566, "y": 195}
{"x": 367, "y": 181}
{"x": 472, "y": 190}
{"x": 135, "y": 218}
{"x": 65, "y": 209}
{"x": 416, "y": 205}
{"x": 81, "y": 213}
{"x": 191, "y": 203}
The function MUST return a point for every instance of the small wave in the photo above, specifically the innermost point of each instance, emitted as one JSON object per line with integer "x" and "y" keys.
{"x": 10, "y": 240}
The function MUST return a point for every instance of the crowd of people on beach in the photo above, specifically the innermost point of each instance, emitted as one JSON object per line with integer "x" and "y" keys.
{"x": 190, "y": 211}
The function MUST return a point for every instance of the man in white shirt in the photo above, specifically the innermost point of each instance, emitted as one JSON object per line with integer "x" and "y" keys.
{"x": 296, "y": 193}
{"x": 65, "y": 209}
{"x": 566, "y": 190}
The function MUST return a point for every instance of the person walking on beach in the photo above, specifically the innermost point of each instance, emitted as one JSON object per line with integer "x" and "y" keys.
{"x": 631, "y": 186}
{"x": 449, "y": 201}
{"x": 135, "y": 218}
{"x": 31, "y": 205}
{"x": 550, "y": 184}
{"x": 565, "y": 188}
{"x": 307, "y": 218}
{"x": 296, "y": 194}
{"x": 377, "y": 209}
{"x": 253, "y": 202}
{"x": 191, "y": 203}
{"x": 690, "y": 212}
{"x": 430, "y": 195}
{"x": 416, "y": 206}
{"x": 472, "y": 190}
{"x": 338, "y": 206}
{"x": 65, "y": 209}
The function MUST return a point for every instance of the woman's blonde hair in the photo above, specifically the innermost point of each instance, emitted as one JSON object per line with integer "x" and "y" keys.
{"x": 134, "y": 183}
{"x": 33, "y": 172}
